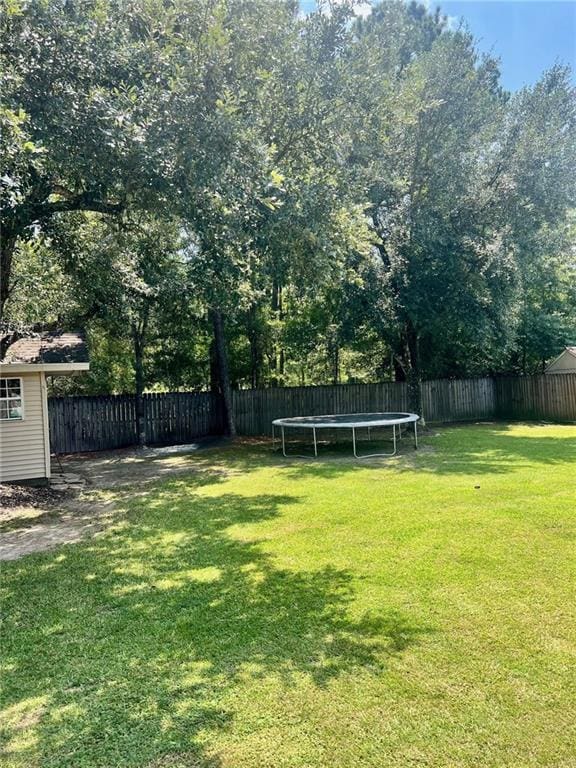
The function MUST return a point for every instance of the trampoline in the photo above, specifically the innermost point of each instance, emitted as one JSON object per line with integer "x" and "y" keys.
{"x": 352, "y": 421}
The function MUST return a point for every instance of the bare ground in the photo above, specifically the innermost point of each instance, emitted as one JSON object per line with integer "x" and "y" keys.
{"x": 35, "y": 519}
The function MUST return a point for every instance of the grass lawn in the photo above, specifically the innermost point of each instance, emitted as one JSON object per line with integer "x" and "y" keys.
{"x": 264, "y": 613}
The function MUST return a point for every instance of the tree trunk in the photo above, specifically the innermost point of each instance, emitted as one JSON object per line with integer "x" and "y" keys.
{"x": 412, "y": 369}
{"x": 336, "y": 369}
{"x": 8, "y": 246}
{"x": 138, "y": 337}
{"x": 335, "y": 359}
{"x": 254, "y": 362}
{"x": 7, "y": 339}
{"x": 255, "y": 348}
{"x": 214, "y": 373}
{"x": 398, "y": 369}
{"x": 523, "y": 358}
{"x": 223, "y": 371}
{"x": 278, "y": 358}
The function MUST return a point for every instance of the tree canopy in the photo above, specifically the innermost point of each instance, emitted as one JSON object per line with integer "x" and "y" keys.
{"x": 228, "y": 193}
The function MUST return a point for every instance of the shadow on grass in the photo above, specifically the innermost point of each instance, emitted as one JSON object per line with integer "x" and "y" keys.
{"x": 128, "y": 649}
{"x": 455, "y": 449}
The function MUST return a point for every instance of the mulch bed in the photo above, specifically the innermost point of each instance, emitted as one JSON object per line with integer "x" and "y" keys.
{"x": 12, "y": 495}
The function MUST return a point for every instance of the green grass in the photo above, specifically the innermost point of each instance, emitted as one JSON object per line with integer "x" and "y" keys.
{"x": 262, "y": 613}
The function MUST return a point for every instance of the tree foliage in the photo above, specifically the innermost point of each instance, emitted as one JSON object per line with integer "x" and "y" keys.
{"x": 229, "y": 193}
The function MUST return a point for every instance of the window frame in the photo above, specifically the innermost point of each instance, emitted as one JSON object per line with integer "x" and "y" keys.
{"x": 7, "y": 398}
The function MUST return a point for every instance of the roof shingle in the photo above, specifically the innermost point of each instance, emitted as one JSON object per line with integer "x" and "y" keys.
{"x": 48, "y": 347}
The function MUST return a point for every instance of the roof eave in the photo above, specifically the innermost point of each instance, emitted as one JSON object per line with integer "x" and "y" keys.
{"x": 55, "y": 368}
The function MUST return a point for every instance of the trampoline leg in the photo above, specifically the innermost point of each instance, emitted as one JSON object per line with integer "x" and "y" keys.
{"x": 415, "y": 436}
{"x": 373, "y": 455}
{"x": 273, "y": 439}
{"x": 296, "y": 455}
{"x": 369, "y": 437}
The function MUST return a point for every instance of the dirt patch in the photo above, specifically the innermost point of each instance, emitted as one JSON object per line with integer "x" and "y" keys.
{"x": 44, "y": 536}
{"x": 35, "y": 519}
{"x": 39, "y": 521}
{"x": 127, "y": 467}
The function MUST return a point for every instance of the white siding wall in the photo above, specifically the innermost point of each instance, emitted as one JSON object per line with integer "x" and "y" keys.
{"x": 22, "y": 443}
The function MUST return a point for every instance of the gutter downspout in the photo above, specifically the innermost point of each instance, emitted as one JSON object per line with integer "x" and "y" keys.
{"x": 45, "y": 425}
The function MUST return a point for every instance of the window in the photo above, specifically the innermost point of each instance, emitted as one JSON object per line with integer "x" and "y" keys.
{"x": 11, "y": 399}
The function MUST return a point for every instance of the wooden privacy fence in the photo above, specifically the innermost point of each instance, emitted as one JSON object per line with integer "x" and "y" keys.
{"x": 550, "y": 396}
{"x": 443, "y": 400}
{"x": 98, "y": 423}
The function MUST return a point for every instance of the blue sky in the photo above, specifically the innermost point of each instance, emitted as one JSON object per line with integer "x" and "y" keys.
{"x": 528, "y": 36}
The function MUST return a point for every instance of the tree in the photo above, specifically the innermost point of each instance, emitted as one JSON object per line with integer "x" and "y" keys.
{"x": 89, "y": 89}
{"x": 124, "y": 282}
{"x": 133, "y": 278}
{"x": 547, "y": 306}
{"x": 271, "y": 178}
{"x": 447, "y": 161}
{"x": 227, "y": 194}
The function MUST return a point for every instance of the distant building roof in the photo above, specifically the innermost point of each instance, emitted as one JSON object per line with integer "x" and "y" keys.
{"x": 564, "y": 363}
{"x": 48, "y": 347}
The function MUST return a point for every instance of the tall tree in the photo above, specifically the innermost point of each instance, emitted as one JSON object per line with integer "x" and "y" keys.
{"x": 450, "y": 193}
{"x": 268, "y": 149}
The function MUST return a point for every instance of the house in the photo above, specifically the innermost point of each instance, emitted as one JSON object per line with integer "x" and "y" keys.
{"x": 24, "y": 436}
{"x": 564, "y": 363}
